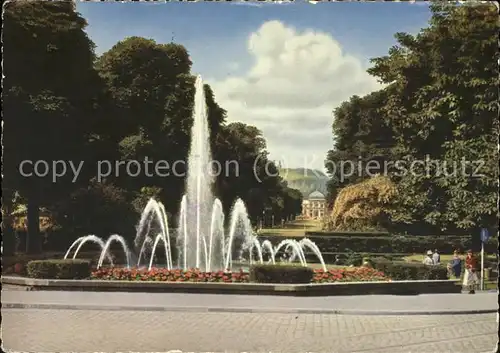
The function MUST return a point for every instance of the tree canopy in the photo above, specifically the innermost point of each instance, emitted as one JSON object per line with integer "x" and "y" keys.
{"x": 436, "y": 121}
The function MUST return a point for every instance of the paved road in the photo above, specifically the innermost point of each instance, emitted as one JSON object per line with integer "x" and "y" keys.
{"x": 59, "y": 330}
{"x": 421, "y": 304}
{"x": 146, "y": 328}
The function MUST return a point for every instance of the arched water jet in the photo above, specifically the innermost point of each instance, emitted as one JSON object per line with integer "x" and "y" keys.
{"x": 311, "y": 245}
{"x": 111, "y": 239}
{"x": 166, "y": 234}
{"x": 238, "y": 214}
{"x": 165, "y": 244}
{"x": 266, "y": 244}
{"x": 147, "y": 216}
{"x": 82, "y": 240}
{"x": 295, "y": 247}
{"x": 256, "y": 244}
{"x": 147, "y": 241}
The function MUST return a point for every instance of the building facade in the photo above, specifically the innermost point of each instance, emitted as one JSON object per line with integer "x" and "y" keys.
{"x": 314, "y": 206}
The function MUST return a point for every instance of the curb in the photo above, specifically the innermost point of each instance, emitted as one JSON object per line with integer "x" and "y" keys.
{"x": 243, "y": 310}
{"x": 323, "y": 289}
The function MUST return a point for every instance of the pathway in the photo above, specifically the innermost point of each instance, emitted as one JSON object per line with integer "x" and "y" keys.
{"x": 365, "y": 304}
{"x": 103, "y": 329}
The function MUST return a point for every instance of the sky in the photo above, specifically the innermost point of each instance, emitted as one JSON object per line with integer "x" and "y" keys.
{"x": 280, "y": 67}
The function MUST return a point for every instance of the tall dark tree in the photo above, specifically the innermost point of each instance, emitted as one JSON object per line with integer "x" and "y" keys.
{"x": 49, "y": 97}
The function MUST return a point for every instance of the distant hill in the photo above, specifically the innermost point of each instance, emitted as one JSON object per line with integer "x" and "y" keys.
{"x": 305, "y": 180}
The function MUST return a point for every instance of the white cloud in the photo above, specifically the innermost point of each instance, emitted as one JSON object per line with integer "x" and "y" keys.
{"x": 289, "y": 93}
{"x": 233, "y": 66}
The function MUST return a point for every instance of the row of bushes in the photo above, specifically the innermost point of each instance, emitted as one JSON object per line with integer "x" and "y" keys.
{"x": 401, "y": 270}
{"x": 382, "y": 270}
{"x": 391, "y": 244}
{"x": 82, "y": 269}
{"x": 59, "y": 269}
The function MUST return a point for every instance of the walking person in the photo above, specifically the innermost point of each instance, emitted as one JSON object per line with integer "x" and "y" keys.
{"x": 470, "y": 277}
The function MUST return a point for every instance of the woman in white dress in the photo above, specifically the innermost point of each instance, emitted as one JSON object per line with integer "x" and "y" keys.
{"x": 470, "y": 277}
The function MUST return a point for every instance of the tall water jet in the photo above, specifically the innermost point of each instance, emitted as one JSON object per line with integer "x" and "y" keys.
{"x": 182, "y": 235}
{"x": 199, "y": 180}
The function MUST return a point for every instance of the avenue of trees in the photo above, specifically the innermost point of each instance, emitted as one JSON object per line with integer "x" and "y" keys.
{"x": 62, "y": 102}
{"x": 439, "y": 103}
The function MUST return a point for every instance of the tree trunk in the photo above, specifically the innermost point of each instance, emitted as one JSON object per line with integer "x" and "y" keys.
{"x": 34, "y": 240}
{"x": 9, "y": 237}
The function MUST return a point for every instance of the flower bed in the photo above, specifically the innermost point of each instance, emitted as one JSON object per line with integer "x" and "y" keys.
{"x": 361, "y": 274}
{"x": 357, "y": 274}
{"x": 162, "y": 274}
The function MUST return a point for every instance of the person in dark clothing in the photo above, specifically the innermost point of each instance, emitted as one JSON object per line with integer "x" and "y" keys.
{"x": 455, "y": 265}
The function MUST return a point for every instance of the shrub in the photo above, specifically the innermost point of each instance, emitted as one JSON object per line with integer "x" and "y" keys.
{"x": 281, "y": 274}
{"x": 59, "y": 269}
{"x": 354, "y": 259}
{"x": 399, "y": 270}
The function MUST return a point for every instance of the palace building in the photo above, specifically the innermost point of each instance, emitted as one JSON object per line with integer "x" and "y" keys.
{"x": 314, "y": 206}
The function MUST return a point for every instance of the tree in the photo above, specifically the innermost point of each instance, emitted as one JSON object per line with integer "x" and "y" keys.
{"x": 363, "y": 142}
{"x": 101, "y": 209}
{"x": 48, "y": 98}
{"x": 151, "y": 92}
{"x": 443, "y": 108}
{"x": 438, "y": 111}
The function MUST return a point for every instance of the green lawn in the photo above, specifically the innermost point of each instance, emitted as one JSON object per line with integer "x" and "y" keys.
{"x": 293, "y": 229}
{"x": 445, "y": 258}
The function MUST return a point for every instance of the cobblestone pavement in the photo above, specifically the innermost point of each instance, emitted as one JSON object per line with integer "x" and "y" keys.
{"x": 56, "y": 330}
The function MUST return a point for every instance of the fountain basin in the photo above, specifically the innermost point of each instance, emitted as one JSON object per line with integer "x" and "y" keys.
{"x": 313, "y": 289}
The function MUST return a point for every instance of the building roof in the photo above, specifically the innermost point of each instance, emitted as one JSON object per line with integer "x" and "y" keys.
{"x": 316, "y": 195}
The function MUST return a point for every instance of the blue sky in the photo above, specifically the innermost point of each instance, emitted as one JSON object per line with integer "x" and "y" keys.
{"x": 217, "y": 38}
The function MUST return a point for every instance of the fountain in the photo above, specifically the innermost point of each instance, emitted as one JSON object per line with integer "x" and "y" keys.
{"x": 82, "y": 240}
{"x": 201, "y": 241}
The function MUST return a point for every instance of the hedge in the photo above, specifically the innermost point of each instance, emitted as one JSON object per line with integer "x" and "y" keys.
{"x": 347, "y": 233}
{"x": 281, "y": 274}
{"x": 59, "y": 269}
{"x": 390, "y": 244}
{"x": 400, "y": 270}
